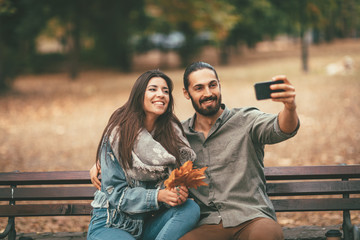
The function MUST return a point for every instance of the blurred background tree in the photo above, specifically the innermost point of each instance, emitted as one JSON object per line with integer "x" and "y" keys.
{"x": 107, "y": 34}
{"x": 112, "y": 25}
{"x": 320, "y": 21}
{"x": 302, "y": 15}
{"x": 258, "y": 20}
{"x": 200, "y": 22}
{"x": 20, "y": 23}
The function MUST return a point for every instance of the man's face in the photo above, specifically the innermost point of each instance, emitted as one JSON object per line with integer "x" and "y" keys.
{"x": 204, "y": 92}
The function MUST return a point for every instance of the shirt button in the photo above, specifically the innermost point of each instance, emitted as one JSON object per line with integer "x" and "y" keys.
{"x": 220, "y": 206}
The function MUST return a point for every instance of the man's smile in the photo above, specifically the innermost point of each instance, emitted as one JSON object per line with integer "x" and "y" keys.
{"x": 208, "y": 101}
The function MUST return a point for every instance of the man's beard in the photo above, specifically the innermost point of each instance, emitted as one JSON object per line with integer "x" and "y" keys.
{"x": 208, "y": 111}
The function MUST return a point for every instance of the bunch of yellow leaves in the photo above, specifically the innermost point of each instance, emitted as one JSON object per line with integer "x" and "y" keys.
{"x": 186, "y": 176}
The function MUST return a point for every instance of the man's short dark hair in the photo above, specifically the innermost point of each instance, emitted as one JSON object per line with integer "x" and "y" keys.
{"x": 195, "y": 67}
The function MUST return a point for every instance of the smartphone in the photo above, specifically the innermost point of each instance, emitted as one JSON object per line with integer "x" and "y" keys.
{"x": 263, "y": 91}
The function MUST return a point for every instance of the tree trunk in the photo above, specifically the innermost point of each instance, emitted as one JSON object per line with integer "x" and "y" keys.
{"x": 224, "y": 54}
{"x": 304, "y": 50}
{"x": 5, "y": 76}
{"x": 74, "y": 51}
{"x": 190, "y": 48}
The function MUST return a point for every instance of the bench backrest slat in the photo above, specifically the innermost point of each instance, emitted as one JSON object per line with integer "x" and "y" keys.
{"x": 280, "y": 205}
{"x": 328, "y": 204}
{"x": 34, "y": 178}
{"x": 312, "y": 172}
{"x": 45, "y": 210}
{"x": 271, "y": 173}
{"x": 47, "y": 193}
{"x": 273, "y": 189}
{"x": 312, "y": 188}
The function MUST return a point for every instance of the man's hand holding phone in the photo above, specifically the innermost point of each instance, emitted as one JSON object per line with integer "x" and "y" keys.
{"x": 263, "y": 90}
{"x": 279, "y": 90}
{"x": 287, "y": 96}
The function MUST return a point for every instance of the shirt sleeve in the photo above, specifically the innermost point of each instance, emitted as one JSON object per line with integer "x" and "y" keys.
{"x": 120, "y": 195}
{"x": 266, "y": 130}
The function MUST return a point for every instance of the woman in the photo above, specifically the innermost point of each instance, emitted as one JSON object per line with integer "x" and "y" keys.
{"x": 142, "y": 142}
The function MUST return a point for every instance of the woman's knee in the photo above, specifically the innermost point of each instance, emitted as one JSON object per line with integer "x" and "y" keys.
{"x": 110, "y": 233}
{"x": 192, "y": 206}
{"x": 192, "y": 209}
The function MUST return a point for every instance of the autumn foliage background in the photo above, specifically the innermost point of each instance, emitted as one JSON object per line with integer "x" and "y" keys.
{"x": 51, "y": 123}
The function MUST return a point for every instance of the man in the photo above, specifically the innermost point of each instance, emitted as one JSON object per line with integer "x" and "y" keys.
{"x": 230, "y": 142}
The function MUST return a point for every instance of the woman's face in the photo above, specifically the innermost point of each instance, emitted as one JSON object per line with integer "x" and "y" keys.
{"x": 156, "y": 98}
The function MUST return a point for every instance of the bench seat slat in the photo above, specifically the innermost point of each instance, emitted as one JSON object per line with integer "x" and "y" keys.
{"x": 45, "y": 210}
{"x": 47, "y": 193}
{"x": 313, "y": 188}
{"x": 303, "y": 205}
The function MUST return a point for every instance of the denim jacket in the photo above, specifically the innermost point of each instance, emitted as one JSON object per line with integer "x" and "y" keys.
{"x": 127, "y": 206}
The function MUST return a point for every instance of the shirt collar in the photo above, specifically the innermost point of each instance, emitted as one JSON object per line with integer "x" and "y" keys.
{"x": 219, "y": 120}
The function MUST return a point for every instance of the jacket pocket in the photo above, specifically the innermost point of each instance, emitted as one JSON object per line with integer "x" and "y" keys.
{"x": 99, "y": 215}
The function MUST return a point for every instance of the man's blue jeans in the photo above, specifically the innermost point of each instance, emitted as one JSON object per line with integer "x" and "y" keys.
{"x": 167, "y": 225}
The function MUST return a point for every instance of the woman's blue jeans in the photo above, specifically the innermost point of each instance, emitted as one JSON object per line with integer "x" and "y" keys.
{"x": 170, "y": 224}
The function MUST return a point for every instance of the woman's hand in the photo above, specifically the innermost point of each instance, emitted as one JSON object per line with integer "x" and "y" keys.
{"x": 95, "y": 171}
{"x": 173, "y": 197}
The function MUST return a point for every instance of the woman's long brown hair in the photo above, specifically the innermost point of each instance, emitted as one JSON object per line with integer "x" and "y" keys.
{"x": 130, "y": 119}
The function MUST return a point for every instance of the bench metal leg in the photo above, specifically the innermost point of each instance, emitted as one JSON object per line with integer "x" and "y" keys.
{"x": 10, "y": 227}
{"x": 346, "y": 225}
{"x": 351, "y": 232}
{"x": 12, "y": 233}
{"x": 356, "y": 233}
{"x": 9, "y": 230}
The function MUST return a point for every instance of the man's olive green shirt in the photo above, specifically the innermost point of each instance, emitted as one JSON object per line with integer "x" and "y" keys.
{"x": 234, "y": 154}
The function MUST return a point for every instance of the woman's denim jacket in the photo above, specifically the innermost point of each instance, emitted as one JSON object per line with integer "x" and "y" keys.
{"x": 127, "y": 203}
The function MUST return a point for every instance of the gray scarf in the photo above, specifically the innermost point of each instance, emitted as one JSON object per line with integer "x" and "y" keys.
{"x": 151, "y": 161}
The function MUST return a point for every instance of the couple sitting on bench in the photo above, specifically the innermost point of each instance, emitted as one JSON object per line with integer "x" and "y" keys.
{"x": 143, "y": 141}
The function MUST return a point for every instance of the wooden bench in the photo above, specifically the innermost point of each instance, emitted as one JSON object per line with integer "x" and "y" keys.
{"x": 58, "y": 193}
